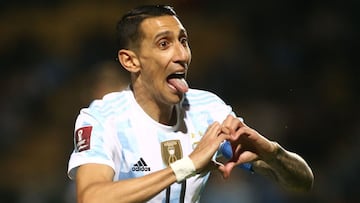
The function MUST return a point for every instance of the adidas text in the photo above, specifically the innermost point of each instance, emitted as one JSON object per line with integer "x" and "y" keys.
{"x": 140, "y": 166}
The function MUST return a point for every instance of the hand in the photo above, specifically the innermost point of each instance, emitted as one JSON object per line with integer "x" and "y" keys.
{"x": 247, "y": 145}
{"x": 208, "y": 145}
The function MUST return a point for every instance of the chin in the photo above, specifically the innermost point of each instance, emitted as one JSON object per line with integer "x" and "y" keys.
{"x": 176, "y": 98}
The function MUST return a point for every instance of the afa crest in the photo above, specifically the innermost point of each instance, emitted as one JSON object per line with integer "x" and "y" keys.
{"x": 171, "y": 151}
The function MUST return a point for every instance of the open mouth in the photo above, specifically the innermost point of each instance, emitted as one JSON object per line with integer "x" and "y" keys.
{"x": 178, "y": 75}
{"x": 177, "y": 82}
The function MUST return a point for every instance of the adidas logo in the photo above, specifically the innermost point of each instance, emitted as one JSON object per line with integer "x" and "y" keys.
{"x": 140, "y": 166}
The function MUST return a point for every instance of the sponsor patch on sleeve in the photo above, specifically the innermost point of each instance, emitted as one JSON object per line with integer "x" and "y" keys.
{"x": 82, "y": 138}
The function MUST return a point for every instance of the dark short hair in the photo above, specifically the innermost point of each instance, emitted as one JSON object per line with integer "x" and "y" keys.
{"x": 128, "y": 32}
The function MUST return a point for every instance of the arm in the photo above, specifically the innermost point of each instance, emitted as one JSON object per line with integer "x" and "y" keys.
{"x": 268, "y": 158}
{"x": 94, "y": 182}
{"x": 287, "y": 168}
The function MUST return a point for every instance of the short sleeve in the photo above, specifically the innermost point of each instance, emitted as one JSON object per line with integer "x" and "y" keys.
{"x": 90, "y": 145}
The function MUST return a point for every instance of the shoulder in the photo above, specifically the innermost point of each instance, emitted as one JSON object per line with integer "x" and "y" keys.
{"x": 202, "y": 97}
{"x": 204, "y": 107}
{"x": 114, "y": 103}
{"x": 197, "y": 100}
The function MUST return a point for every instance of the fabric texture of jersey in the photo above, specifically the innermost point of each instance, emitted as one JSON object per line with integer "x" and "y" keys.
{"x": 115, "y": 131}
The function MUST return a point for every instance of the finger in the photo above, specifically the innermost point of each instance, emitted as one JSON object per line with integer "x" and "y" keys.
{"x": 243, "y": 131}
{"x": 228, "y": 120}
{"x": 226, "y": 169}
{"x": 248, "y": 156}
{"x": 224, "y": 136}
{"x": 213, "y": 129}
{"x": 242, "y": 123}
{"x": 226, "y": 130}
{"x": 233, "y": 122}
{"x": 229, "y": 123}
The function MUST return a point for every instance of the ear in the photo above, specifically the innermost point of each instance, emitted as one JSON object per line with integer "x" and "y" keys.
{"x": 129, "y": 60}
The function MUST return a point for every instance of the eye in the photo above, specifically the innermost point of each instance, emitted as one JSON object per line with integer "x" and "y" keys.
{"x": 184, "y": 41}
{"x": 163, "y": 44}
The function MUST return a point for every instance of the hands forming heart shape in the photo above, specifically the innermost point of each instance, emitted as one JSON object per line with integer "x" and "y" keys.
{"x": 247, "y": 145}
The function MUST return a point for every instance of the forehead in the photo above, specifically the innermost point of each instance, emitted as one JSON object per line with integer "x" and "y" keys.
{"x": 162, "y": 24}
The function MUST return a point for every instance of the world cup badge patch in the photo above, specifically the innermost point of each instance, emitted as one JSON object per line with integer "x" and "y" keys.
{"x": 171, "y": 151}
{"x": 82, "y": 138}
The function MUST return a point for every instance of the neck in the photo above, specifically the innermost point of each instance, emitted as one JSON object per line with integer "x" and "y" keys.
{"x": 160, "y": 112}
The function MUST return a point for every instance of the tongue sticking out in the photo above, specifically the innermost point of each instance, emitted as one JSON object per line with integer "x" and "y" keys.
{"x": 180, "y": 84}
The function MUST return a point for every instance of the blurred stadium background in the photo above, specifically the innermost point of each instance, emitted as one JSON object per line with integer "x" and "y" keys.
{"x": 289, "y": 68}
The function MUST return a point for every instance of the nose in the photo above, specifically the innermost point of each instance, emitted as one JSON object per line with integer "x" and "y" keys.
{"x": 182, "y": 54}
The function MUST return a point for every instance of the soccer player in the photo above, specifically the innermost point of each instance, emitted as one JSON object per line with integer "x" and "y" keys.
{"x": 158, "y": 140}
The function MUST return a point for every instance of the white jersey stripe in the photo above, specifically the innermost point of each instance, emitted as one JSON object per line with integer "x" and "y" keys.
{"x": 126, "y": 139}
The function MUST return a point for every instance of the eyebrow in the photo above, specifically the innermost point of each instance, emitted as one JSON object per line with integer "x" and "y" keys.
{"x": 166, "y": 33}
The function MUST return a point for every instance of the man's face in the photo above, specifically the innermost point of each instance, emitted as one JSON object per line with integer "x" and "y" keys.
{"x": 164, "y": 57}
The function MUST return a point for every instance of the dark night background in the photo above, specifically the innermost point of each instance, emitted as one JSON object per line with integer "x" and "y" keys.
{"x": 289, "y": 68}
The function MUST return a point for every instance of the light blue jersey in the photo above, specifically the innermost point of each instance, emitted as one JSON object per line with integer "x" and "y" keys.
{"x": 115, "y": 131}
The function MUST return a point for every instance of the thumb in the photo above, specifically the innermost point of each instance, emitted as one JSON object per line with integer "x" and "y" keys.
{"x": 226, "y": 169}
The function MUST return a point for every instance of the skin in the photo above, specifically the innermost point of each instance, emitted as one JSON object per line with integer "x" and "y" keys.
{"x": 268, "y": 158}
{"x": 164, "y": 51}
